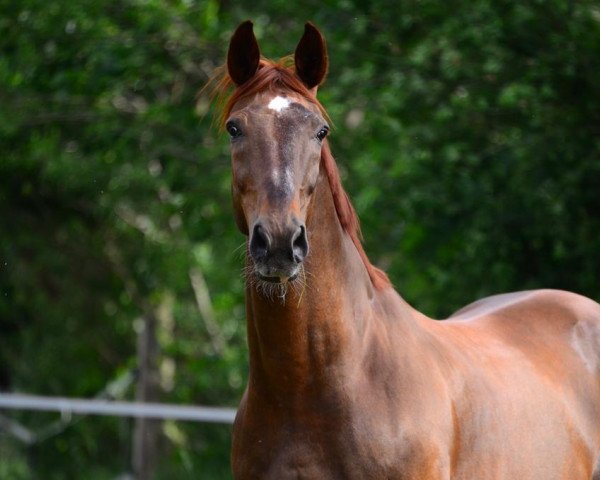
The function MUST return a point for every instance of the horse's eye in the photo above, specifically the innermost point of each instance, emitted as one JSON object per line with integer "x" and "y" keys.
{"x": 323, "y": 132}
{"x": 233, "y": 129}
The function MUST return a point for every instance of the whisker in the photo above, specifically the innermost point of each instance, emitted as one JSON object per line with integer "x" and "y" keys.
{"x": 240, "y": 250}
{"x": 301, "y": 283}
{"x": 278, "y": 291}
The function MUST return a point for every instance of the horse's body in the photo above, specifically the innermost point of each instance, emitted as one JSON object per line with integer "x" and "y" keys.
{"x": 347, "y": 381}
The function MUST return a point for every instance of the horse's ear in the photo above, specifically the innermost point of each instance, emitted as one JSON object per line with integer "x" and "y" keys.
{"x": 311, "y": 57}
{"x": 243, "y": 55}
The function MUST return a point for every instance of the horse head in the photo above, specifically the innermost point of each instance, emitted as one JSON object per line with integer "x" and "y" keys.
{"x": 277, "y": 129}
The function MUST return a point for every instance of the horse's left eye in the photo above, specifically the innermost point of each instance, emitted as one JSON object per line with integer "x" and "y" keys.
{"x": 233, "y": 129}
{"x": 323, "y": 133}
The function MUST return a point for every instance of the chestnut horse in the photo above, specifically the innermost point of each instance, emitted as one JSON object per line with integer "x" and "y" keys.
{"x": 348, "y": 381}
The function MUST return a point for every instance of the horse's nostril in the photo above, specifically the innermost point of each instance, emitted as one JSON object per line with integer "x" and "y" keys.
{"x": 260, "y": 242}
{"x": 300, "y": 245}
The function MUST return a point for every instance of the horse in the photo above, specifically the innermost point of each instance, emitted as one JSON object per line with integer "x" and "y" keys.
{"x": 346, "y": 379}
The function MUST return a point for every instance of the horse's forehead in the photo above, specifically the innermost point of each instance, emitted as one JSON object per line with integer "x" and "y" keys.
{"x": 279, "y": 103}
{"x": 281, "y": 106}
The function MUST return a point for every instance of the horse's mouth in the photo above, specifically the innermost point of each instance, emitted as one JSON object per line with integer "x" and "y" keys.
{"x": 282, "y": 279}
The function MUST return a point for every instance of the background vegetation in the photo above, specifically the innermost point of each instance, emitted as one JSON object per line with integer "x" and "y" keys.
{"x": 468, "y": 133}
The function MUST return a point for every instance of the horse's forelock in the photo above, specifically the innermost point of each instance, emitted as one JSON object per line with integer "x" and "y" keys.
{"x": 270, "y": 76}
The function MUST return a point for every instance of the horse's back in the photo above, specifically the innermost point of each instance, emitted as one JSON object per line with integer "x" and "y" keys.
{"x": 532, "y": 305}
{"x": 540, "y": 319}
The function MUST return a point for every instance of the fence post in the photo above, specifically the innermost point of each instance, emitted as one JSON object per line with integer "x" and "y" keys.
{"x": 146, "y": 431}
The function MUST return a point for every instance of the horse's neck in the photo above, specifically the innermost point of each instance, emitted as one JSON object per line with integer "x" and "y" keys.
{"x": 317, "y": 333}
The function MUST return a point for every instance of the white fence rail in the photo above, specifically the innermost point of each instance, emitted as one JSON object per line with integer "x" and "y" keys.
{"x": 71, "y": 406}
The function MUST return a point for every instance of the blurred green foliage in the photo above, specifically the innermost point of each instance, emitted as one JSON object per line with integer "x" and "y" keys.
{"x": 468, "y": 134}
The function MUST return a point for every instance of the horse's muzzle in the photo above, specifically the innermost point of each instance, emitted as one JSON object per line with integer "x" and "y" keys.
{"x": 278, "y": 252}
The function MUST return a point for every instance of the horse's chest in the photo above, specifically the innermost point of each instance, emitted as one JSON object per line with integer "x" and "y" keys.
{"x": 337, "y": 453}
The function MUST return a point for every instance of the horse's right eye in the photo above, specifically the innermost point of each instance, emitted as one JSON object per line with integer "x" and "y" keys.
{"x": 233, "y": 130}
{"x": 323, "y": 133}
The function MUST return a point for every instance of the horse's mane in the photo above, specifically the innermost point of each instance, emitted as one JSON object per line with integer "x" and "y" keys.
{"x": 280, "y": 76}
